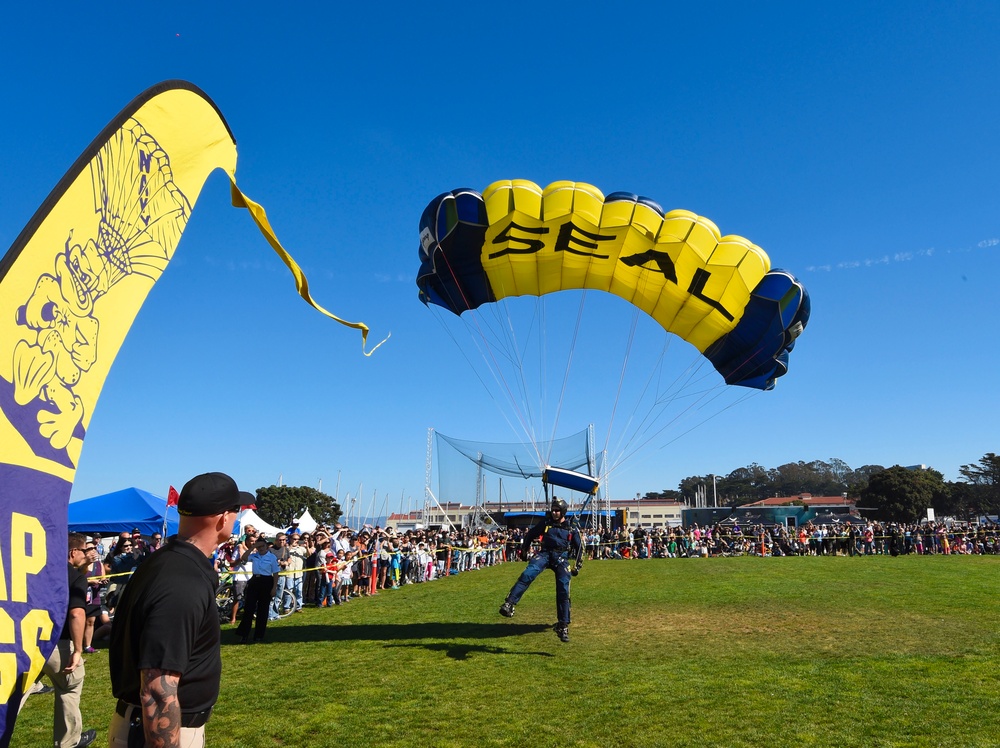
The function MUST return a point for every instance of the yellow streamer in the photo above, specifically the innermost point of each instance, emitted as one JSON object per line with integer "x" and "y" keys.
{"x": 240, "y": 200}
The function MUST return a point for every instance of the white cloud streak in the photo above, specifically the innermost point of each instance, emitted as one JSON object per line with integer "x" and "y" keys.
{"x": 907, "y": 256}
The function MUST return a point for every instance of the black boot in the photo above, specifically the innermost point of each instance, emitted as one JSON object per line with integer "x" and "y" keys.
{"x": 507, "y": 609}
{"x": 562, "y": 631}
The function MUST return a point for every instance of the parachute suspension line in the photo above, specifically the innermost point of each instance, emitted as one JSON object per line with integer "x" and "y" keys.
{"x": 458, "y": 285}
{"x": 749, "y": 394}
{"x": 662, "y": 401}
{"x": 682, "y": 386}
{"x": 664, "y": 398}
{"x": 627, "y": 435}
{"x": 505, "y": 324}
{"x": 461, "y": 350}
{"x": 542, "y": 306}
{"x": 630, "y": 432}
{"x": 621, "y": 376}
{"x": 649, "y": 423}
{"x": 502, "y": 381}
{"x": 718, "y": 391}
{"x": 497, "y": 340}
{"x": 506, "y": 342}
{"x": 481, "y": 342}
{"x": 569, "y": 364}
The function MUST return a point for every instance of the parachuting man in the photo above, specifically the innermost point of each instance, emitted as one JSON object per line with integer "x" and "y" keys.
{"x": 560, "y": 542}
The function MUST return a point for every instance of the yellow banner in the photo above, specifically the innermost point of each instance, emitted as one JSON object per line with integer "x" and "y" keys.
{"x": 70, "y": 287}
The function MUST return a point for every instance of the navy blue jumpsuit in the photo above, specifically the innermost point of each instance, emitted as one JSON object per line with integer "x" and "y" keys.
{"x": 560, "y": 542}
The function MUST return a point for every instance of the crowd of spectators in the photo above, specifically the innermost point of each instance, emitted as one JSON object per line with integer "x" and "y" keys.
{"x": 856, "y": 538}
{"x": 112, "y": 560}
{"x": 333, "y": 565}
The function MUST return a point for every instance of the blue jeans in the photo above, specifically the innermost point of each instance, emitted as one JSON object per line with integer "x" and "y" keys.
{"x": 325, "y": 592}
{"x": 295, "y": 585}
{"x": 283, "y": 582}
{"x": 558, "y": 561}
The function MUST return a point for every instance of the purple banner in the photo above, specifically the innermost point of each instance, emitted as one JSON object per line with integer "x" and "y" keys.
{"x": 33, "y": 580}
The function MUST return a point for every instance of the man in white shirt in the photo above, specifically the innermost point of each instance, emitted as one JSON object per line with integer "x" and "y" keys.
{"x": 260, "y": 590}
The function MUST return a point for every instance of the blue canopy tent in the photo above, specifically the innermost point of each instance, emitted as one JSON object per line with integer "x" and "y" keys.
{"x": 121, "y": 511}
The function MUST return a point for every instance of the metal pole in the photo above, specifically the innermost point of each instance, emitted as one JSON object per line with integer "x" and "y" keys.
{"x": 607, "y": 491}
{"x": 427, "y": 477}
{"x": 443, "y": 512}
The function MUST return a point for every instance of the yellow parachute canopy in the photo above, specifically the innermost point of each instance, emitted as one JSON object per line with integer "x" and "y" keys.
{"x": 716, "y": 292}
{"x": 676, "y": 267}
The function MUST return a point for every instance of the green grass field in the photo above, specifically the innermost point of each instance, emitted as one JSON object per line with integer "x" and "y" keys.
{"x": 875, "y": 651}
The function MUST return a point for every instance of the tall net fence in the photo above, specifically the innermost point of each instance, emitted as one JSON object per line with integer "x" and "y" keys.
{"x": 506, "y": 473}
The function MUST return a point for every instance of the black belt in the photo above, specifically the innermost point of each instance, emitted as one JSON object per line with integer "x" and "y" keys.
{"x": 188, "y": 719}
{"x": 261, "y": 576}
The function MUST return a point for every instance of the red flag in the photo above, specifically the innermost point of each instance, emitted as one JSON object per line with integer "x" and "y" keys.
{"x": 172, "y": 496}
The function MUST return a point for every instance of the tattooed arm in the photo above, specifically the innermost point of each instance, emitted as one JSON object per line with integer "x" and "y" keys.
{"x": 161, "y": 711}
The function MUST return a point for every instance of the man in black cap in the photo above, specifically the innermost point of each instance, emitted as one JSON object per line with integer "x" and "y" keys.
{"x": 164, "y": 655}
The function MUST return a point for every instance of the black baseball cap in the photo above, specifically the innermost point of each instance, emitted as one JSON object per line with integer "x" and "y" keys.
{"x": 209, "y": 494}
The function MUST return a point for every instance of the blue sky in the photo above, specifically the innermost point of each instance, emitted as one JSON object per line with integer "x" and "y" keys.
{"x": 855, "y": 144}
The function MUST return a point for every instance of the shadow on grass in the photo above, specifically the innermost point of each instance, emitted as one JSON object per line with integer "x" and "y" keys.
{"x": 409, "y": 635}
{"x": 457, "y": 651}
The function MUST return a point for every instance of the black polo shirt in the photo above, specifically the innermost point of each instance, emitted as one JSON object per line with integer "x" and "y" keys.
{"x": 77, "y": 596}
{"x": 167, "y": 619}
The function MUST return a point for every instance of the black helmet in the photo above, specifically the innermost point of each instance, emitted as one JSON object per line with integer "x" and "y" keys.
{"x": 559, "y": 505}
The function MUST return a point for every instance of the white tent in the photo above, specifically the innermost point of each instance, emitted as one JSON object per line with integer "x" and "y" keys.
{"x": 306, "y": 522}
{"x": 250, "y": 517}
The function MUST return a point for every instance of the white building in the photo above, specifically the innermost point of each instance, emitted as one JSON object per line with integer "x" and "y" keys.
{"x": 628, "y": 512}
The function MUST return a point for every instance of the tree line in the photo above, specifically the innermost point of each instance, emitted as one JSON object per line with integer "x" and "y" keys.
{"x": 901, "y": 494}
{"x": 279, "y": 505}
{"x": 897, "y": 493}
